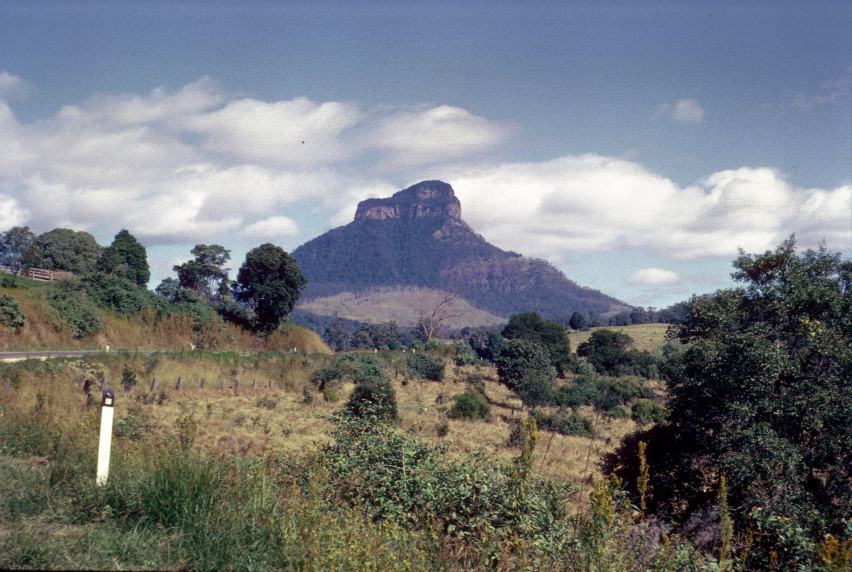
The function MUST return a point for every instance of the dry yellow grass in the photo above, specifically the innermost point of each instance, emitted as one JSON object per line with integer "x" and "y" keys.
{"x": 255, "y": 420}
{"x": 646, "y": 337}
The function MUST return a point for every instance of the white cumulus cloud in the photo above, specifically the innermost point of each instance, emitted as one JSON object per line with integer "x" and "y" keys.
{"x": 271, "y": 228}
{"x": 653, "y": 277}
{"x": 591, "y": 203}
{"x": 436, "y": 134}
{"x": 13, "y": 86}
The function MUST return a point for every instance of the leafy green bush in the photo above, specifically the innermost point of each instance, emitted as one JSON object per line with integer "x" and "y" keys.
{"x": 128, "y": 377}
{"x": 74, "y": 310}
{"x": 572, "y": 424}
{"x": 425, "y": 367}
{"x": 10, "y": 312}
{"x": 470, "y": 405}
{"x": 373, "y": 399}
{"x": 645, "y": 411}
{"x": 363, "y": 368}
{"x": 617, "y": 412}
{"x": 524, "y": 367}
{"x": 463, "y": 354}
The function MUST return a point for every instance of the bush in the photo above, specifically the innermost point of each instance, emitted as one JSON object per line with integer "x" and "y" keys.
{"x": 645, "y": 411}
{"x": 363, "y": 368}
{"x": 463, "y": 354}
{"x": 128, "y": 378}
{"x": 10, "y": 312}
{"x": 75, "y": 311}
{"x": 524, "y": 367}
{"x": 425, "y": 367}
{"x": 470, "y": 405}
{"x": 377, "y": 399}
{"x": 617, "y": 412}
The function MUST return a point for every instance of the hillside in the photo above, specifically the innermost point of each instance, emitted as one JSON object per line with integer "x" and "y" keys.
{"x": 417, "y": 238}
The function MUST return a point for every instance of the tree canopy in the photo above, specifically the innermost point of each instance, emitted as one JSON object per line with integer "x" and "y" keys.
{"x": 68, "y": 250}
{"x": 125, "y": 258}
{"x": 547, "y": 333}
{"x": 17, "y": 249}
{"x": 205, "y": 274}
{"x": 763, "y": 397}
{"x": 270, "y": 282}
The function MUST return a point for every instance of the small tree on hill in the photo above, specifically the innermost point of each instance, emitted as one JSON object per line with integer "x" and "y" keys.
{"x": 125, "y": 258}
{"x": 269, "y": 281}
{"x": 524, "y": 367}
{"x": 17, "y": 250}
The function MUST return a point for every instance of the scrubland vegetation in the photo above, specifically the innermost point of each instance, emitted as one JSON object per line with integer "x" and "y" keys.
{"x": 724, "y": 446}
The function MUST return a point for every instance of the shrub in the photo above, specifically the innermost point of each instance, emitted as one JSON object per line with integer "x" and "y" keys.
{"x": 363, "y": 368}
{"x": 75, "y": 311}
{"x": 645, "y": 411}
{"x": 128, "y": 378}
{"x": 463, "y": 354}
{"x": 329, "y": 394}
{"x": 425, "y": 367}
{"x": 524, "y": 367}
{"x": 377, "y": 399}
{"x": 617, "y": 412}
{"x": 470, "y": 405}
{"x": 10, "y": 312}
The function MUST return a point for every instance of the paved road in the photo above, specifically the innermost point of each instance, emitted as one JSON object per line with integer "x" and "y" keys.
{"x": 20, "y": 356}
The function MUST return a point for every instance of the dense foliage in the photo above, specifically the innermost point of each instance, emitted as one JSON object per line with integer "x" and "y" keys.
{"x": 547, "y": 333}
{"x": 763, "y": 398}
{"x": 68, "y": 250}
{"x": 524, "y": 367}
{"x": 270, "y": 282}
{"x": 125, "y": 258}
{"x": 17, "y": 250}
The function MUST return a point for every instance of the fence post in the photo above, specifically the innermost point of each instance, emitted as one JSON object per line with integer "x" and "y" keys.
{"x": 236, "y": 387}
{"x": 270, "y": 384}
{"x": 203, "y": 381}
{"x": 179, "y": 383}
{"x": 254, "y": 385}
{"x": 154, "y": 385}
{"x": 221, "y": 384}
{"x": 107, "y": 413}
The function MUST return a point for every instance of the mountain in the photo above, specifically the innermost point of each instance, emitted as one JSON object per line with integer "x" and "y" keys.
{"x": 417, "y": 241}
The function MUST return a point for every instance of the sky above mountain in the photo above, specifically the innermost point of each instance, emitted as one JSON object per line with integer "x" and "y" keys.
{"x": 636, "y": 146}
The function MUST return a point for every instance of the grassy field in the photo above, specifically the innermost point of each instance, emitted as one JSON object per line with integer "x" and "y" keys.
{"x": 401, "y": 305}
{"x": 646, "y": 337}
{"x": 239, "y": 421}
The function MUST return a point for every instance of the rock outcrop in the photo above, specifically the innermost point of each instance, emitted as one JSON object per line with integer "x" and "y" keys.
{"x": 426, "y": 199}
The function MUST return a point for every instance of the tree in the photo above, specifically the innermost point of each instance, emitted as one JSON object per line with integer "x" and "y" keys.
{"x": 125, "y": 258}
{"x": 578, "y": 322}
{"x": 524, "y": 367}
{"x": 68, "y": 250}
{"x": 17, "y": 250}
{"x": 607, "y": 351}
{"x": 547, "y": 333}
{"x": 762, "y": 397}
{"x": 270, "y": 282}
{"x": 205, "y": 274}
{"x": 433, "y": 312}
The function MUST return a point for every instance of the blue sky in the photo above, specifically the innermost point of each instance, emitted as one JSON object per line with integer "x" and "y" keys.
{"x": 634, "y": 145}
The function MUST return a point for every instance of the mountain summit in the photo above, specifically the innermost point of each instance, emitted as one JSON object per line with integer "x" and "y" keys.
{"x": 426, "y": 199}
{"x": 415, "y": 242}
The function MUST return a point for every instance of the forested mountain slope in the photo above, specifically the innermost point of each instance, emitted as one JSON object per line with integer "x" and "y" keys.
{"x": 418, "y": 238}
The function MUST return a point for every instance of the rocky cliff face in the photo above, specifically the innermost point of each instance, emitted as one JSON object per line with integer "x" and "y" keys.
{"x": 426, "y": 199}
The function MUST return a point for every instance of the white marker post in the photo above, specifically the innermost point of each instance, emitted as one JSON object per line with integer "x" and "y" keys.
{"x": 107, "y": 413}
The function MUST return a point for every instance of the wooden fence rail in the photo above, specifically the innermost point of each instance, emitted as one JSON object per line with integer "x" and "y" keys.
{"x": 40, "y": 274}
